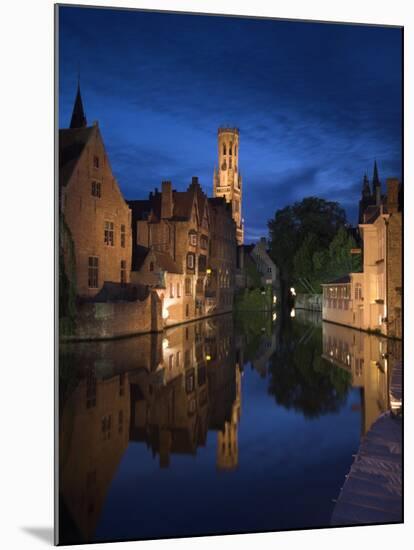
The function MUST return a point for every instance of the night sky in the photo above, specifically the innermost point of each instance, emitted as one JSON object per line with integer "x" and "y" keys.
{"x": 315, "y": 103}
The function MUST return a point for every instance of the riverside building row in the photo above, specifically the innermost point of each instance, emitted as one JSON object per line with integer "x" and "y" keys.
{"x": 372, "y": 300}
{"x": 140, "y": 265}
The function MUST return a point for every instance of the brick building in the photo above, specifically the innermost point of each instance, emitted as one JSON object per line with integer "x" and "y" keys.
{"x": 184, "y": 248}
{"x": 372, "y": 300}
{"x": 91, "y": 203}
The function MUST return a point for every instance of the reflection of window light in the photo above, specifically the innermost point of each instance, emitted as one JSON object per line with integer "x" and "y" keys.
{"x": 165, "y": 313}
{"x": 292, "y": 291}
{"x": 165, "y": 343}
{"x": 274, "y": 299}
{"x": 292, "y": 313}
{"x": 274, "y": 316}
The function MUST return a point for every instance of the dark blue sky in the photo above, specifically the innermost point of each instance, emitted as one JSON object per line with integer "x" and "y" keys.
{"x": 315, "y": 103}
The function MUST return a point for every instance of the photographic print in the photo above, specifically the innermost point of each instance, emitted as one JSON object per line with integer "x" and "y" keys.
{"x": 229, "y": 216}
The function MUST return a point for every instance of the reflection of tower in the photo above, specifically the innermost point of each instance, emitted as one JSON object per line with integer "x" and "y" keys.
{"x": 227, "y": 181}
{"x": 227, "y": 440}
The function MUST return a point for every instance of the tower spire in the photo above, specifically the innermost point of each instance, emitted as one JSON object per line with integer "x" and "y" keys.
{"x": 78, "y": 119}
{"x": 375, "y": 178}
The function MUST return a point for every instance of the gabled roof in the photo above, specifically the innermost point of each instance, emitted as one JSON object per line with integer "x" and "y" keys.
{"x": 341, "y": 280}
{"x": 139, "y": 254}
{"x": 162, "y": 259}
{"x": 72, "y": 142}
{"x": 183, "y": 204}
{"x": 166, "y": 263}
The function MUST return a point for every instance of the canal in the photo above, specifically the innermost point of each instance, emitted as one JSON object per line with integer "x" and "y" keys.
{"x": 219, "y": 426}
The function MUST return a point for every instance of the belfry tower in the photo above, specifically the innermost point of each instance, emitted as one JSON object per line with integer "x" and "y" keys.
{"x": 227, "y": 181}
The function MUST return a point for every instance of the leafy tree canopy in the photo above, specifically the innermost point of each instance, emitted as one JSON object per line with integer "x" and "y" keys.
{"x": 310, "y": 243}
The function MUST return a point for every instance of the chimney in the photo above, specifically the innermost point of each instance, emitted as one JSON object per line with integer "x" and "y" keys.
{"x": 392, "y": 195}
{"x": 166, "y": 200}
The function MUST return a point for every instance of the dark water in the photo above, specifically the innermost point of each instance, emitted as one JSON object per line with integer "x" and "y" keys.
{"x": 219, "y": 426}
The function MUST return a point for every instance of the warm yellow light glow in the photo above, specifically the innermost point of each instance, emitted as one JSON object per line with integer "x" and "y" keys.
{"x": 292, "y": 291}
{"x": 274, "y": 316}
{"x": 274, "y": 299}
{"x": 208, "y": 357}
{"x": 292, "y": 313}
{"x": 208, "y": 271}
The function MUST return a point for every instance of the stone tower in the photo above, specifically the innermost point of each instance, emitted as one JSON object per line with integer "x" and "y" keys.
{"x": 227, "y": 439}
{"x": 227, "y": 181}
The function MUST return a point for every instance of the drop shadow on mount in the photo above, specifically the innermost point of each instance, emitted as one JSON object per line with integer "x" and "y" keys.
{"x": 44, "y": 534}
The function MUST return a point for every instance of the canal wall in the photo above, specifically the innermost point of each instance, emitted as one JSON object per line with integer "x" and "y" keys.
{"x": 104, "y": 320}
{"x": 311, "y": 302}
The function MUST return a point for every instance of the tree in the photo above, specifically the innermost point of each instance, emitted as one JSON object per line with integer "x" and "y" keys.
{"x": 292, "y": 225}
{"x": 300, "y": 378}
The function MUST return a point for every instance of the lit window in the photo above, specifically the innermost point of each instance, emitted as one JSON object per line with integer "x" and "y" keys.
{"x": 190, "y": 261}
{"x": 109, "y": 233}
{"x": 193, "y": 238}
{"x": 93, "y": 271}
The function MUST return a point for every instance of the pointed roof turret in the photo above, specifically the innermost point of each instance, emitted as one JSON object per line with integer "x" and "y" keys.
{"x": 366, "y": 191}
{"x": 78, "y": 119}
{"x": 375, "y": 178}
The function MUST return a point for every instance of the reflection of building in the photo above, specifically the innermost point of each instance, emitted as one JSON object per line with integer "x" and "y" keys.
{"x": 98, "y": 219}
{"x": 194, "y": 383}
{"x": 372, "y": 300}
{"x": 94, "y": 433}
{"x": 227, "y": 180}
{"x": 369, "y": 358}
{"x": 227, "y": 437}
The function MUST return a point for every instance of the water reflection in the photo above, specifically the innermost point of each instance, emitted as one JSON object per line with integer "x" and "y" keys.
{"x": 369, "y": 360}
{"x": 178, "y": 393}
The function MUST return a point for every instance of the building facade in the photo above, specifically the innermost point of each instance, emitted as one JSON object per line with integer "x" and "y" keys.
{"x": 184, "y": 247}
{"x": 93, "y": 208}
{"x": 372, "y": 300}
{"x": 227, "y": 180}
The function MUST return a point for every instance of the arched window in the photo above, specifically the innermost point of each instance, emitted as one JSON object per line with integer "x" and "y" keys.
{"x": 230, "y": 149}
{"x": 224, "y": 148}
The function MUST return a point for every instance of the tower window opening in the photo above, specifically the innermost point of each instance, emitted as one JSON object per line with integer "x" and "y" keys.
{"x": 230, "y": 149}
{"x": 224, "y": 149}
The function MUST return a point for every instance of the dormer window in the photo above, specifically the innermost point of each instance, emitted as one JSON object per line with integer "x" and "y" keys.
{"x": 192, "y": 238}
